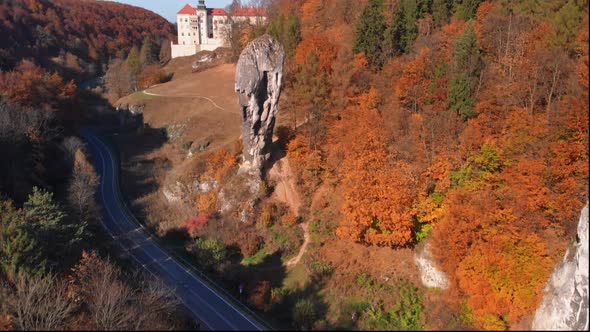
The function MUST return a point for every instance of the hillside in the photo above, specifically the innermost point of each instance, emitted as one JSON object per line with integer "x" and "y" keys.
{"x": 76, "y": 37}
{"x": 461, "y": 126}
{"x": 59, "y": 268}
{"x": 416, "y": 140}
{"x": 456, "y": 124}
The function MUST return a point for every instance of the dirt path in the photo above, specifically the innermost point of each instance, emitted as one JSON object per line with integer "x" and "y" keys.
{"x": 285, "y": 191}
{"x": 202, "y": 97}
{"x": 306, "y": 239}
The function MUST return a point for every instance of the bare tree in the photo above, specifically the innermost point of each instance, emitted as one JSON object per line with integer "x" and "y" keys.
{"x": 83, "y": 184}
{"x": 109, "y": 303}
{"x": 118, "y": 79}
{"x": 17, "y": 121}
{"x": 97, "y": 284}
{"x": 156, "y": 306}
{"x": 165, "y": 52}
{"x": 70, "y": 145}
{"x": 113, "y": 304}
{"x": 231, "y": 30}
{"x": 40, "y": 303}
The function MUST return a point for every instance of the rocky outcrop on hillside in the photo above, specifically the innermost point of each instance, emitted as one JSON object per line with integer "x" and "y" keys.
{"x": 130, "y": 114}
{"x": 259, "y": 76}
{"x": 565, "y": 306}
{"x": 430, "y": 275}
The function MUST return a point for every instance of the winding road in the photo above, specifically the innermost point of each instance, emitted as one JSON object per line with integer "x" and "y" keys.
{"x": 208, "y": 306}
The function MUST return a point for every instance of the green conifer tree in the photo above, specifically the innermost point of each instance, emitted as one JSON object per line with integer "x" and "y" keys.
{"x": 134, "y": 66}
{"x": 146, "y": 53}
{"x": 56, "y": 233}
{"x": 460, "y": 99}
{"x": 465, "y": 9}
{"x": 19, "y": 250}
{"x": 466, "y": 68}
{"x": 409, "y": 14}
{"x": 370, "y": 33}
{"x": 440, "y": 12}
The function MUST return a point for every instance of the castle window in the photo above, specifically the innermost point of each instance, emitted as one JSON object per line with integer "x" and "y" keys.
{"x": 183, "y": 34}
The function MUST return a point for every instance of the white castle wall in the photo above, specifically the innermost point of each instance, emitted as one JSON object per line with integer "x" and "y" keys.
{"x": 184, "y": 50}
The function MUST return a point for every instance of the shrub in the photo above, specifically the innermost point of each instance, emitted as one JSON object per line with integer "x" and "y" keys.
{"x": 187, "y": 145}
{"x": 210, "y": 252}
{"x": 207, "y": 202}
{"x": 355, "y": 307}
{"x": 265, "y": 217}
{"x": 407, "y": 313}
{"x": 304, "y": 314}
{"x": 151, "y": 75}
{"x": 422, "y": 231}
{"x": 287, "y": 240}
{"x": 289, "y": 220}
{"x": 278, "y": 295}
{"x": 378, "y": 318}
{"x": 195, "y": 224}
{"x": 249, "y": 243}
{"x": 220, "y": 164}
{"x": 321, "y": 268}
{"x": 365, "y": 280}
{"x": 260, "y": 296}
{"x": 264, "y": 188}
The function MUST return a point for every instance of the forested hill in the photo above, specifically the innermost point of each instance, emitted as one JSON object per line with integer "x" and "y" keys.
{"x": 47, "y": 47}
{"x": 74, "y": 36}
{"x": 462, "y": 124}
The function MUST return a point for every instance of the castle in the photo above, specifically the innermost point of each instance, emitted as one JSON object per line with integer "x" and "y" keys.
{"x": 203, "y": 28}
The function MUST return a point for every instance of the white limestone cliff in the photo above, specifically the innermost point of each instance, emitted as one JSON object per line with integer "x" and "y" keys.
{"x": 259, "y": 76}
{"x": 565, "y": 305}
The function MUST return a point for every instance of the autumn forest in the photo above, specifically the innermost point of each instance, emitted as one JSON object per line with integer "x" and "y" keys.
{"x": 460, "y": 126}
{"x": 466, "y": 123}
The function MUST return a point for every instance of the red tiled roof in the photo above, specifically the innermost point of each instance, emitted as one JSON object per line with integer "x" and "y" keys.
{"x": 188, "y": 9}
{"x": 216, "y": 12}
{"x": 250, "y": 11}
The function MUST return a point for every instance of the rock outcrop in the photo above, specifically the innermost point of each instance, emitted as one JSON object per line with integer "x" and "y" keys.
{"x": 130, "y": 115}
{"x": 174, "y": 193}
{"x": 565, "y": 305}
{"x": 259, "y": 76}
{"x": 430, "y": 275}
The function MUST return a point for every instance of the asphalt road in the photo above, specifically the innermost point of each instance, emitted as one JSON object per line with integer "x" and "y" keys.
{"x": 209, "y": 307}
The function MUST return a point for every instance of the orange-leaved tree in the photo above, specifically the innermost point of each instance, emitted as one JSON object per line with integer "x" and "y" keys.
{"x": 220, "y": 165}
{"x": 377, "y": 189}
{"x": 323, "y": 49}
{"x": 503, "y": 274}
{"x": 413, "y": 86}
